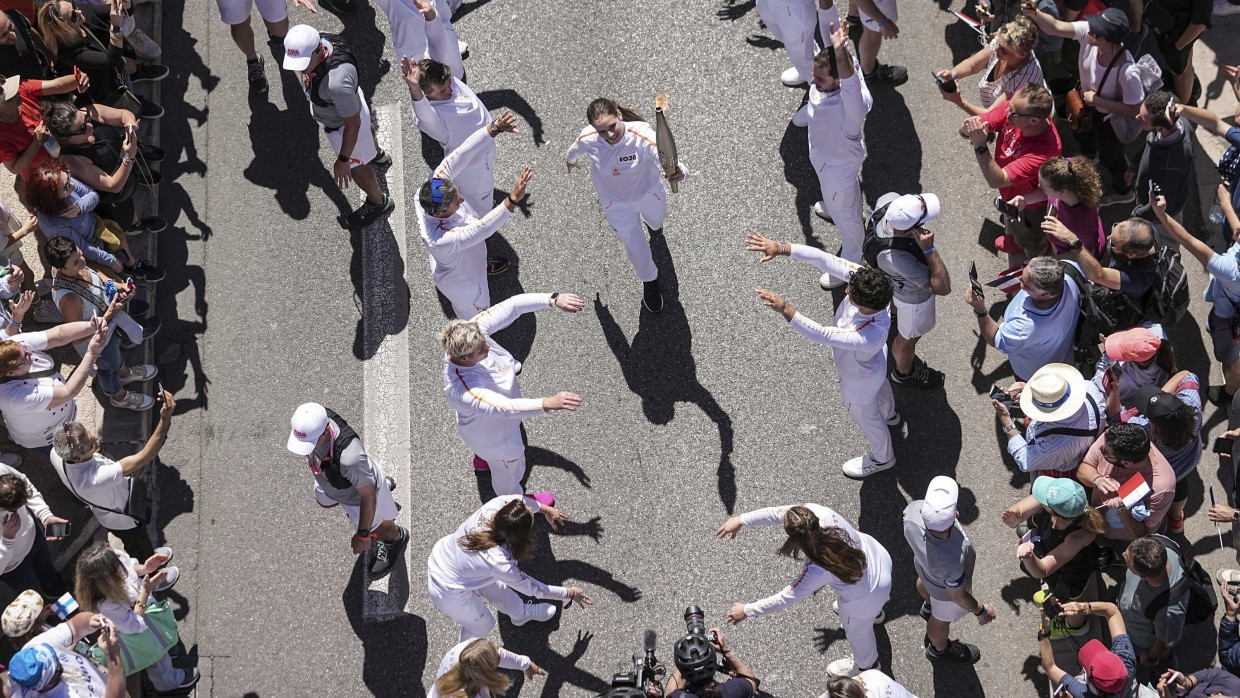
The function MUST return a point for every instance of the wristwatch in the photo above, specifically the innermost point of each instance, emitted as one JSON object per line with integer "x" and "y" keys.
{"x": 1235, "y": 516}
{"x": 979, "y": 149}
{"x": 344, "y": 158}
{"x": 1075, "y": 245}
{"x": 362, "y": 533}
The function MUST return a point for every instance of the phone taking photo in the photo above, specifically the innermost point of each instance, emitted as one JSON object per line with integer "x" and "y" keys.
{"x": 1052, "y": 211}
{"x": 997, "y": 393}
{"x": 1153, "y": 190}
{"x": 973, "y": 282}
{"x": 1222, "y": 446}
{"x": 1006, "y": 208}
{"x": 948, "y": 85}
{"x": 58, "y": 530}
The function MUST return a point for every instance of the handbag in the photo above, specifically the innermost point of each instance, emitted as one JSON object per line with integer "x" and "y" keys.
{"x": 141, "y": 650}
{"x": 1080, "y": 114}
{"x": 135, "y": 504}
{"x": 122, "y": 97}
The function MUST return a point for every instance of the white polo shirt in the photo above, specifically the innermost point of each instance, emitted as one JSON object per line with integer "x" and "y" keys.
{"x": 25, "y": 403}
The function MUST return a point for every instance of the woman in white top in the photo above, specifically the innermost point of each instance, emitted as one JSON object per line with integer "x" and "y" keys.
{"x": 1110, "y": 83}
{"x": 868, "y": 684}
{"x": 479, "y": 561}
{"x": 1008, "y": 62}
{"x": 472, "y": 670}
{"x": 624, "y": 165}
{"x": 852, "y": 563}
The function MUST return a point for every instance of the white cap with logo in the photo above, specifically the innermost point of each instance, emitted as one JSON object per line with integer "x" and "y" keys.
{"x": 938, "y": 509}
{"x": 309, "y": 421}
{"x": 912, "y": 210}
{"x": 299, "y": 45}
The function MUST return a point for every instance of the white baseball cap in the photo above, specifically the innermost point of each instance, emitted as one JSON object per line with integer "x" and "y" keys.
{"x": 309, "y": 421}
{"x": 10, "y": 87}
{"x": 911, "y": 210}
{"x": 938, "y": 509}
{"x": 299, "y": 44}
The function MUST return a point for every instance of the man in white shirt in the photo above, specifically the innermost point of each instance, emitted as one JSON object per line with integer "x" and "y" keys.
{"x": 103, "y": 484}
{"x": 34, "y": 398}
{"x": 858, "y": 341}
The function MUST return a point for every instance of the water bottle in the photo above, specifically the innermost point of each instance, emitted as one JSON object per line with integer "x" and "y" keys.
{"x": 109, "y": 290}
{"x": 1216, "y": 214}
{"x": 52, "y": 147}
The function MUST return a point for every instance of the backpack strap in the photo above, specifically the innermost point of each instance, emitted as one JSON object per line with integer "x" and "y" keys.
{"x": 1069, "y": 431}
{"x": 64, "y": 282}
{"x": 1160, "y": 601}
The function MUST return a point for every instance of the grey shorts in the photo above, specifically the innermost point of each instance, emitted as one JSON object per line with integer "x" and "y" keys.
{"x": 1226, "y": 349}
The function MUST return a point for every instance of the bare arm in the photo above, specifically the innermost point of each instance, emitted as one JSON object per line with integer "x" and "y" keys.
{"x": 132, "y": 464}
{"x": 1050, "y": 25}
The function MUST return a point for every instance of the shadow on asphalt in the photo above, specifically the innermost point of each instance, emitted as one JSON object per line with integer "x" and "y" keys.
{"x": 794, "y": 152}
{"x": 511, "y": 99}
{"x": 395, "y": 650}
{"x": 658, "y": 365}
{"x": 893, "y": 148}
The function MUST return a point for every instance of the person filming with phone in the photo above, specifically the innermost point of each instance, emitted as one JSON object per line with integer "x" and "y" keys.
{"x": 1066, "y": 413}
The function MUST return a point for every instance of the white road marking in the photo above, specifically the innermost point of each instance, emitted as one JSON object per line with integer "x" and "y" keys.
{"x": 385, "y": 375}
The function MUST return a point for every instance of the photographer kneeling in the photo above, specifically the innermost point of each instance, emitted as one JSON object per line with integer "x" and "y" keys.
{"x": 696, "y": 664}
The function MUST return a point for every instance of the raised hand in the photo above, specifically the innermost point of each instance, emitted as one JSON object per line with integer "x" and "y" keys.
{"x": 757, "y": 242}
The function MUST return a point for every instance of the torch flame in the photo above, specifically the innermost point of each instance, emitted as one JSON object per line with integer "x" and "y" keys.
{"x": 660, "y": 102}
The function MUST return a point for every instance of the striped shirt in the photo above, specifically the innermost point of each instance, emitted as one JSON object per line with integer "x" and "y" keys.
{"x": 1009, "y": 84}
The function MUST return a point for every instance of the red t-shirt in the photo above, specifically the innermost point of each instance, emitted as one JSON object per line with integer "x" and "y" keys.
{"x": 1020, "y": 157}
{"x": 16, "y": 137}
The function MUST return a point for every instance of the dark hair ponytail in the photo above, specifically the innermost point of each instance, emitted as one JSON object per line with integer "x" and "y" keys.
{"x": 510, "y": 526}
{"x": 603, "y": 106}
{"x": 830, "y": 548}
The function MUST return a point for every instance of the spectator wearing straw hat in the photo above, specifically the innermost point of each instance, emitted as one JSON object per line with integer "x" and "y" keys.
{"x": 1066, "y": 414}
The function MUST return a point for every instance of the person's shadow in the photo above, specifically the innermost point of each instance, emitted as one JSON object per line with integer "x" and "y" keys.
{"x": 395, "y": 649}
{"x": 658, "y": 364}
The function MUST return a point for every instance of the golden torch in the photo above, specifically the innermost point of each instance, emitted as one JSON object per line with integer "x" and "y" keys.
{"x": 664, "y": 140}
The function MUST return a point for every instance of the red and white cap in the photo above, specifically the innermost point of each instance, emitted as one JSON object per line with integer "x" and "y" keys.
{"x": 309, "y": 421}
{"x": 299, "y": 45}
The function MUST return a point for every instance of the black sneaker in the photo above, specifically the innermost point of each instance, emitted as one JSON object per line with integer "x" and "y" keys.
{"x": 1219, "y": 396}
{"x": 343, "y": 8}
{"x": 498, "y": 265}
{"x": 386, "y": 554}
{"x": 391, "y": 483}
{"x": 150, "y": 328}
{"x": 146, "y": 271}
{"x": 368, "y": 213}
{"x": 889, "y": 75}
{"x": 150, "y": 110}
{"x": 854, "y": 28}
{"x": 921, "y": 376}
{"x": 652, "y": 297}
{"x": 924, "y": 612}
{"x": 147, "y": 177}
{"x": 957, "y": 652}
{"x": 381, "y": 160}
{"x": 148, "y": 224}
{"x": 151, "y": 153}
{"x": 137, "y": 309}
{"x": 149, "y": 72}
{"x": 258, "y": 79}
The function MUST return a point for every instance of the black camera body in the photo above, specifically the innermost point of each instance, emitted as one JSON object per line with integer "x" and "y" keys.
{"x": 646, "y": 669}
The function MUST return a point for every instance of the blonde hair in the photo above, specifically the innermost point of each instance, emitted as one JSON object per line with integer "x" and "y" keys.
{"x": 476, "y": 669}
{"x": 1021, "y": 34}
{"x": 99, "y": 578}
{"x": 10, "y": 354}
{"x": 459, "y": 338}
{"x": 57, "y": 33}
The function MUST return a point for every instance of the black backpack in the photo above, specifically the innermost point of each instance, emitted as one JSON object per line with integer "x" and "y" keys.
{"x": 341, "y": 54}
{"x": 1096, "y": 316}
{"x": 873, "y": 245}
{"x": 1168, "y": 299}
{"x": 331, "y": 468}
{"x": 1202, "y": 599}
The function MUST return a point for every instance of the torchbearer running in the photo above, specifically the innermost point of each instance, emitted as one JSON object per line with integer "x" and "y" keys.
{"x": 626, "y": 171}
{"x": 858, "y": 342}
{"x": 480, "y": 383}
{"x": 452, "y": 229}
{"x": 836, "y": 111}
{"x": 479, "y": 561}
{"x": 852, "y": 563}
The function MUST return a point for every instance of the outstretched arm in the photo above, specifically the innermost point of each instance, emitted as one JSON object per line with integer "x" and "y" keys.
{"x": 501, "y": 315}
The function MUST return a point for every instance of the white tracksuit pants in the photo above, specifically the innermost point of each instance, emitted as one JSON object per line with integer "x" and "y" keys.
{"x": 507, "y": 469}
{"x": 469, "y": 609}
{"x": 793, "y": 23}
{"x": 842, "y": 199}
{"x": 410, "y": 35}
{"x": 857, "y": 617}
{"x": 871, "y": 404}
{"x": 626, "y": 219}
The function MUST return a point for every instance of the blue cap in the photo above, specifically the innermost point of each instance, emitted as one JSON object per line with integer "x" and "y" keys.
{"x": 34, "y": 667}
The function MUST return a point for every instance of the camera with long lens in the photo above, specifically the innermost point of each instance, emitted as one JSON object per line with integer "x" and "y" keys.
{"x": 694, "y": 654}
{"x": 647, "y": 673}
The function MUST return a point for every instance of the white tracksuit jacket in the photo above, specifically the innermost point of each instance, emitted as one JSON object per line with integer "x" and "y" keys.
{"x": 626, "y": 171}
{"x": 486, "y": 396}
{"x": 452, "y": 122}
{"x": 836, "y": 121}
{"x": 417, "y": 38}
{"x": 507, "y": 660}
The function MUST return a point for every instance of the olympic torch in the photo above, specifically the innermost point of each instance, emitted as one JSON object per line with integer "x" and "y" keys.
{"x": 664, "y": 141}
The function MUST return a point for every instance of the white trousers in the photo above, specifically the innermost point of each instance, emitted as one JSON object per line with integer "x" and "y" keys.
{"x": 468, "y": 297}
{"x": 470, "y": 610}
{"x": 506, "y": 472}
{"x": 409, "y": 34}
{"x": 793, "y": 23}
{"x": 870, "y": 406}
{"x": 857, "y": 617}
{"x": 626, "y": 219}
{"x": 844, "y": 205}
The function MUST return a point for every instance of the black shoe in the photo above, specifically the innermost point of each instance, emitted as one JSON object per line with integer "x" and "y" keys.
{"x": 889, "y": 75}
{"x": 191, "y": 679}
{"x": 921, "y": 376}
{"x": 924, "y": 612}
{"x": 391, "y": 484}
{"x": 149, "y": 72}
{"x": 381, "y": 160}
{"x": 498, "y": 265}
{"x": 1219, "y": 396}
{"x": 150, "y": 328}
{"x": 148, "y": 177}
{"x": 150, "y": 110}
{"x": 386, "y": 554}
{"x": 652, "y": 297}
{"x": 148, "y": 224}
{"x": 855, "y": 30}
{"x": 258, "y": 79}
{"x": 138, "y": 309}
{"x": 275, "y": 41}
{"x": 957, "y": 652}
{"x": 151, "y": 153}
{"x": 343, "y": 8}
{"x": 368, "y": 213}
{"x": 146, "y": 271}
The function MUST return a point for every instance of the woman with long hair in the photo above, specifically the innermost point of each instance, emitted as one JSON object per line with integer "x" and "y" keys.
{"x": 120, "y": 588}
{"x": 479, "y": 561}
{"x": 624, "y": 165}
{"x": 1073, "y": 188}
{"x": 1060, "y": 547}
{"x": 852, "y": 563}
{"x": 869, "y": 684}
{"x": 1171, "y": 413}
{"x": 1006, "y": 64}
{"x": 472, "y": 670}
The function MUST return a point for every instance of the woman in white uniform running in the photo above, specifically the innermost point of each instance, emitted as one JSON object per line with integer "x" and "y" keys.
{"x": 479, "y": 561}
{"x": 480, "y": 383}
{"x": 624, "y": 165}
{"x": 454, "y": 232}
{"x": 852, "y": 563}
{"x": 471, "y": 669}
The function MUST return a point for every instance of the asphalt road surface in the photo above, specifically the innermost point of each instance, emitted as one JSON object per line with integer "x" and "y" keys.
{"x": 713, "y": 406}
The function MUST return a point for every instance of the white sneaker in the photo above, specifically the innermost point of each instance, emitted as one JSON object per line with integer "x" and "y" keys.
{"x": 140, "y": 374}
{"x": 462, "y": 48}
{"x": 828, "y": 282}
{"x": 540, "y": 612}
{"x": 792, "y": 77}
{"x": 894, "y": 419}
{"x": 843, "y": 667}
{"x": 164, "y": 550}
{"x": 134, "y": 400}
{"x": 11, "y": 459}
{"x": 821, "y": 212}
{"x": 173, "y": 575}
{"x": 801, "y": 118}
{"x": 878, "y": 620}
{"x": 1223, "y": 8}
{"x": 861, "y": 466}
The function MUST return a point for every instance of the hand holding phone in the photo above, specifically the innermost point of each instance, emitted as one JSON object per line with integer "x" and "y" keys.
{"x": 1006, "y": 208}
{"x": 1052, "y": 211}
{"x": 1222, "y": 446}
{"x": 947, "y": 85}
{"x": 58, "y": 530}
{"x": 973, "y": 282}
